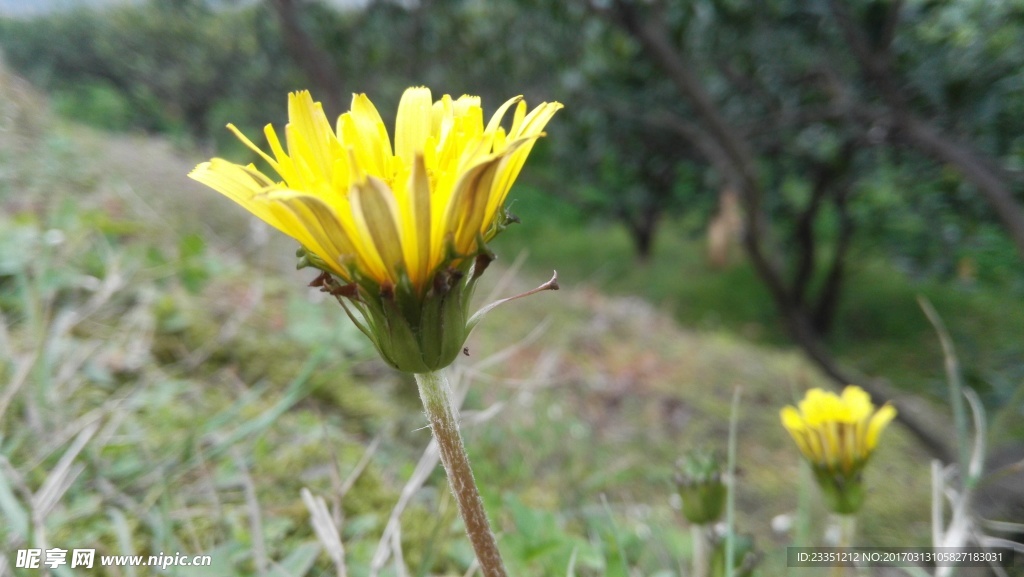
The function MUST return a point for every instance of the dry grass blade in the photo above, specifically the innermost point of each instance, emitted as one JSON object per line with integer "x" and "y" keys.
{"x": 259, "y": 546}
{"x": 15, "y": 515}
{"x": 937, "y": 518}
{"x": 977, "y": 463}
{"x": 24, "y": 365}
{"x": 73, "y": 429}
{"x": 571, "y": 569}
{"x": 952, "y": 375}
{"x": 63, "y": 474}
{"x": 251, "y": 302}
{"x": 396, "y": 552}
{"x": 507, "y": 352}
{"x": 5, "y": 335}
{"x": 350, "y": 481}
{"x": 998, "y": 542}
{"x": 325, "y": 530}
{"x": 113, "y": 281}
{"x": 71, "y": 367}
{"x": 427, "y": 463}
{"x": 1006, "y": 526}
{"x": 730, "y": 502}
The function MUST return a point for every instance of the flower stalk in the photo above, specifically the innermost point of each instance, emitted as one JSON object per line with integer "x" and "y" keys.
{"x": 847, "y": 532}
{"x": 701, "y": 559}
{"x": 435, "y": 392}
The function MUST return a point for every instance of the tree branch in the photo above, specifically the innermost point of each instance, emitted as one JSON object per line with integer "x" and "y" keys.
{"x": 804, "y": 235}
{"x": 828, "y": 297}
{"x": 983, "y": 172}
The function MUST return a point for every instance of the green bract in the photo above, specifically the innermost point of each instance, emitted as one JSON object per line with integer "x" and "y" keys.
{"x": 412, "y": 334}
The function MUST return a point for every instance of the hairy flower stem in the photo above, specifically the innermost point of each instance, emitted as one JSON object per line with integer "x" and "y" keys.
{"x": 437, "y": 400}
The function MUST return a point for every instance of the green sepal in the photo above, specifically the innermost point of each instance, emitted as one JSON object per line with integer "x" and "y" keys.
{"x": 308, "y": 259}
{"x": 400, "y": 343}
{"x": 844, "y": 494}
{"x": 704, "y": 502}
{"x": 413, "y": 331}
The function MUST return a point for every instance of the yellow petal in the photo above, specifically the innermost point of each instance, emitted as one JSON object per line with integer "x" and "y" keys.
{"x": 248, "y": 143}
{"x": 469, "y": 105}
{"x": 466, "y": 211}
{"x": 416, "y": 233}
{"x": 791, "y": 419}
{"x": 517, "y": 118}
{"x": 369, "y": 137}
{"x": 320, "y": 227}
{"x": 376, "y": 217}
{"x": 878, "y": 422}
{"x": 515, "y": 164}
{"x": 239, "y": 183}
{"x": 469, "y": 118}
{"x": 285, "y": 167}
{"x": 858, "y": 402}
{"x": 307, "y": 120}
{"x": 442, "y": 114}
{"x": 537, "y": 119}
{"x": 499, "y": 114}
{"x": 413, "y": 123}
{"x": 812, "y": 406}
{"x": 517, "y": 151}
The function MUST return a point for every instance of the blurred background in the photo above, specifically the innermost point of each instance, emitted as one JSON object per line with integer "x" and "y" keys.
{"x": 737, "y": 194}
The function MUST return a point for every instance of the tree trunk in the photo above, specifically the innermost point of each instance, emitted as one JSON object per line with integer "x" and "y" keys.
{"x": 642, "y": 230}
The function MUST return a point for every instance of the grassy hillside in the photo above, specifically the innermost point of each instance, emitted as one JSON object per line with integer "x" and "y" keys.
{"x": 172, "y": 385}
{"x": 880, "y": 329}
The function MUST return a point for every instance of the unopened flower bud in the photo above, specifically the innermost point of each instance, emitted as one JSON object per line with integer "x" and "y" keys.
{"x": 700, "y": 486}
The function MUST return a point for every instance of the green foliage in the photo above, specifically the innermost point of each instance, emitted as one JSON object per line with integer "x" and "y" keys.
{"x": 157, "y": 66}
{"x": 96, "y": 104}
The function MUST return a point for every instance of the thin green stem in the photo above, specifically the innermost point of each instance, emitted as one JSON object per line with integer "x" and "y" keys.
{"x": 847, "y": 533}
{"x": 435, "y": 393}
{"x": 730, "y": 500}
{"x": 701, "y": 559}
{"x": 803, "y": 507}
{"x": 955, "y": 379}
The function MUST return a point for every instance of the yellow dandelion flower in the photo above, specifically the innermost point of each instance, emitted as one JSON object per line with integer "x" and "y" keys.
{"x": 367, "y": 210}
{"x": 837, "y": 435}
{"x": 397, "y": 229}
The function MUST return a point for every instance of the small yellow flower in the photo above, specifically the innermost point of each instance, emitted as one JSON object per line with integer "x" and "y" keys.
{"x": 837, "y": 435}
{"x": 397, "y": 229}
